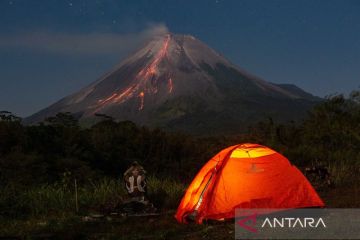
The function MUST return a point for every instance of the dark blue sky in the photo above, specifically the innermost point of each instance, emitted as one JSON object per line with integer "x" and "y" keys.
{"x": 51, "y": 48}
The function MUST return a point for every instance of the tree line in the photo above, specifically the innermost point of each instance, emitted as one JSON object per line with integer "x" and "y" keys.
{"x": 42, "y": 153}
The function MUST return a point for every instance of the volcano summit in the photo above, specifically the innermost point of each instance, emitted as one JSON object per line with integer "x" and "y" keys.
{"x": 178, "y": 82}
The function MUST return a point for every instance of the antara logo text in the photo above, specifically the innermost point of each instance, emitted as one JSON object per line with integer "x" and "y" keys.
{"x": 249, "y": 222}
{"x": 294, "y": 222}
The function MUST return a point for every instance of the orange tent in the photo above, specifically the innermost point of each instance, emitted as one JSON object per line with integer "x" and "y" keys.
{"x": 245, "y": 176}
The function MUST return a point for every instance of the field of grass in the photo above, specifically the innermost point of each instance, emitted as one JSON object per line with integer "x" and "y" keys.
{"x": 52, "y": 208}
{"x": 49, "y": 211}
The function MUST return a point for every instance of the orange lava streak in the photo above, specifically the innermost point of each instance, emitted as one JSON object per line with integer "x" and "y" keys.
{"x": 141, "y": 95}
{"x": 170, "y": 84}
{"x": 125, "y": 94}
{"x": 151, "y": 69}
{"x": 116, "y": 97}
{"x": 143, "y": 76}
{"x": 107, "y": 99}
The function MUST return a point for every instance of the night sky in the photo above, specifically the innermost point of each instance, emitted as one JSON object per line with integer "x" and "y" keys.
{"x": 50, "y": 48}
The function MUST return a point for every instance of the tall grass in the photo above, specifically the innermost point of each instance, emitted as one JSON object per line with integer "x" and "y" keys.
{"x": 105, "y": 194}
{"x": 343, "y": 174}
{"x": 165, "y": 193}
{"x": 99, "y": 196}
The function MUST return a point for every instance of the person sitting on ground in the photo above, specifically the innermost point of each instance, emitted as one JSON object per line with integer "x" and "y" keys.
{"x": 135, "y": 182}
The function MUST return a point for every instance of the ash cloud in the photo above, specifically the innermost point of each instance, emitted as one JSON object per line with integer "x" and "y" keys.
{"x": 81, "y": 43}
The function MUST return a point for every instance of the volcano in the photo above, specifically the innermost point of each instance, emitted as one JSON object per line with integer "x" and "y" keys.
{"x": 178, "y": 82}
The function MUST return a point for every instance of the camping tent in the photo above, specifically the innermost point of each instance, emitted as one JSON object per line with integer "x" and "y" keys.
{"x": 245, "y": 176}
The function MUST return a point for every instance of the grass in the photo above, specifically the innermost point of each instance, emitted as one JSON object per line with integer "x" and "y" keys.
{"x": 165, "y": 192}
{"x": 51, "y": 208}
{"x": 344, "y": 173}
{"x": 59, "y": 197}
{"x": 48, "y": 211}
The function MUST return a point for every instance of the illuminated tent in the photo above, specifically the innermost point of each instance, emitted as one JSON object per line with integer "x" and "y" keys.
{"x": 245, "y": 176}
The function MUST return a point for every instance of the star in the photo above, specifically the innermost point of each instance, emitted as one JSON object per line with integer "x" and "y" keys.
{"x": 70, "y": 4}
{"x": 11, "y": 2}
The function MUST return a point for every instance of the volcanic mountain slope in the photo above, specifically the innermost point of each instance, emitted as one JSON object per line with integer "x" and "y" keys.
{"x": 178, "y": 82}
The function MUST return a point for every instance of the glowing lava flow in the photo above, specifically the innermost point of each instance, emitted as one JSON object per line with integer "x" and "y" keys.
{"x": 170, "y": 85}
{"x": 151, "y": 70}
{"x": 127, "y": 92}
{"x": 141, "y": 95}
{"x": 107, "y": 99}
{"x": 116, "y": 97}
{"x": 141, "y": 78}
